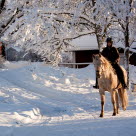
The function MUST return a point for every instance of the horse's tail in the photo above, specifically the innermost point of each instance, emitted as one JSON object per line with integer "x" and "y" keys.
{"x": 123, "y": 98}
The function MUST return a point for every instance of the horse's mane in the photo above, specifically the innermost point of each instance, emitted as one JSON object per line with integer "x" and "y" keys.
{"x": 107, "y": 63}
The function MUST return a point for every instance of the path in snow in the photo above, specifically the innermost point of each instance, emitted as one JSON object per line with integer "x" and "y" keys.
{"x": 38, "y": 100}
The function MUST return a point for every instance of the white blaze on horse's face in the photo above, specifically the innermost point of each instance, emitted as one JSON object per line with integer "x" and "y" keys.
{"x": 96, "y": 61}
{"x": 98, "y": 64}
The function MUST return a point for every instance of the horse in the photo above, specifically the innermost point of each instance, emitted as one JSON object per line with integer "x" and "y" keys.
{"x": 108, "y": 81}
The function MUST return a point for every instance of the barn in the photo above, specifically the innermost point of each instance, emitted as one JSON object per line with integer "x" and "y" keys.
{"x": 84, "y": 48}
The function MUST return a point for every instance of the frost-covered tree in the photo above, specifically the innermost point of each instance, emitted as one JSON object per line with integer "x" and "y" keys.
{"x": 47, "y": 26}
{"x": 37, "y": 28}
{"x": 67, "y": 57}
{"x": 9, "y": 12}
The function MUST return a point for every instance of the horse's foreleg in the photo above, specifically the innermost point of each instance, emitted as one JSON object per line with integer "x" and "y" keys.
{"x": 102, "y": 104}
{"x": 113, "y": 98}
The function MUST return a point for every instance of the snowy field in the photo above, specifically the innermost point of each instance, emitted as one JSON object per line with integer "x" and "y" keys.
{"x": 37, "y": 100}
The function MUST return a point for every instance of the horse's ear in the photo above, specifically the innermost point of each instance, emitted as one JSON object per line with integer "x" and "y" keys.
{"x": 93, "y": 56}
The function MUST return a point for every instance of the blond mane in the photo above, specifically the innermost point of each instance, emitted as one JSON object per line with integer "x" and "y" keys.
{"x": 107, "y": 63}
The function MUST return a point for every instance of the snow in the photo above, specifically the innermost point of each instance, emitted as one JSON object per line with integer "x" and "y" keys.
{"x": 133, "y": 45}
{"x": 39, "y": 100}
{"x": 133, "y": 50}
{"x": 87, "y": 42}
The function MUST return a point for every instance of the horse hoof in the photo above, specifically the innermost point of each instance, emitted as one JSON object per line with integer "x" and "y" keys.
{"x": 114, "y": 114}
{"x": 101, "y": 116}
{"x": 124, "y": 108}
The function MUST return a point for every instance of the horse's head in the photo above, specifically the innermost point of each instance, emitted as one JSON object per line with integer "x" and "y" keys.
{"x": 98, "y": 61}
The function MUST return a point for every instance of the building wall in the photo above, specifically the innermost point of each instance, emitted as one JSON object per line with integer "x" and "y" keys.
{"x": 84, "y": 56}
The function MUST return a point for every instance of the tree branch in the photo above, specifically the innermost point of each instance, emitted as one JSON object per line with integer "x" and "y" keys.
{"x": 10, "y": 21}
{"x": 80, "y": 35}
{"x": 2, "y": 4}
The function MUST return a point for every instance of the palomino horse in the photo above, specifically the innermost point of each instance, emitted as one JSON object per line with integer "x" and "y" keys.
{"x": 108, "y": 81}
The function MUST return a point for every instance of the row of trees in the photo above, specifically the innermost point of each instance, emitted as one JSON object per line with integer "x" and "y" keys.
{"x": 48, "y": 26}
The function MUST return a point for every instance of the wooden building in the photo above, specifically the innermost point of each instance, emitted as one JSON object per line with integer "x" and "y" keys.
{"x": 83, "y": 50}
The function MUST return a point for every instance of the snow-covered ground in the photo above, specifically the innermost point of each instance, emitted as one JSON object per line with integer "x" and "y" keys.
{"x": 38, "y": 100}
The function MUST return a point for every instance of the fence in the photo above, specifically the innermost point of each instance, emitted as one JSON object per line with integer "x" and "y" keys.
{"x": 73, "y": 65}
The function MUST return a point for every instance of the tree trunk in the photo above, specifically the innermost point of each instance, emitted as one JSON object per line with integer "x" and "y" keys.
{"x": 2, "y": 3}
{"x": 98, "y": 38}
{"x": 97, "y": 29}
{"x": 126, "y": 53}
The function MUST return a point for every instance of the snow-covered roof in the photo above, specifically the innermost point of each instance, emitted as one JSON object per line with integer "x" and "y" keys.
{"x": 133, "y": 45}
{"x": 88, "y": 42}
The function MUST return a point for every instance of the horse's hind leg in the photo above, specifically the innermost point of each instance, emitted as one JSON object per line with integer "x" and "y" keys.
{"x": 117, "y": 102}
{"x": 102, "y": 104}
{"x": 113, "y": 99}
